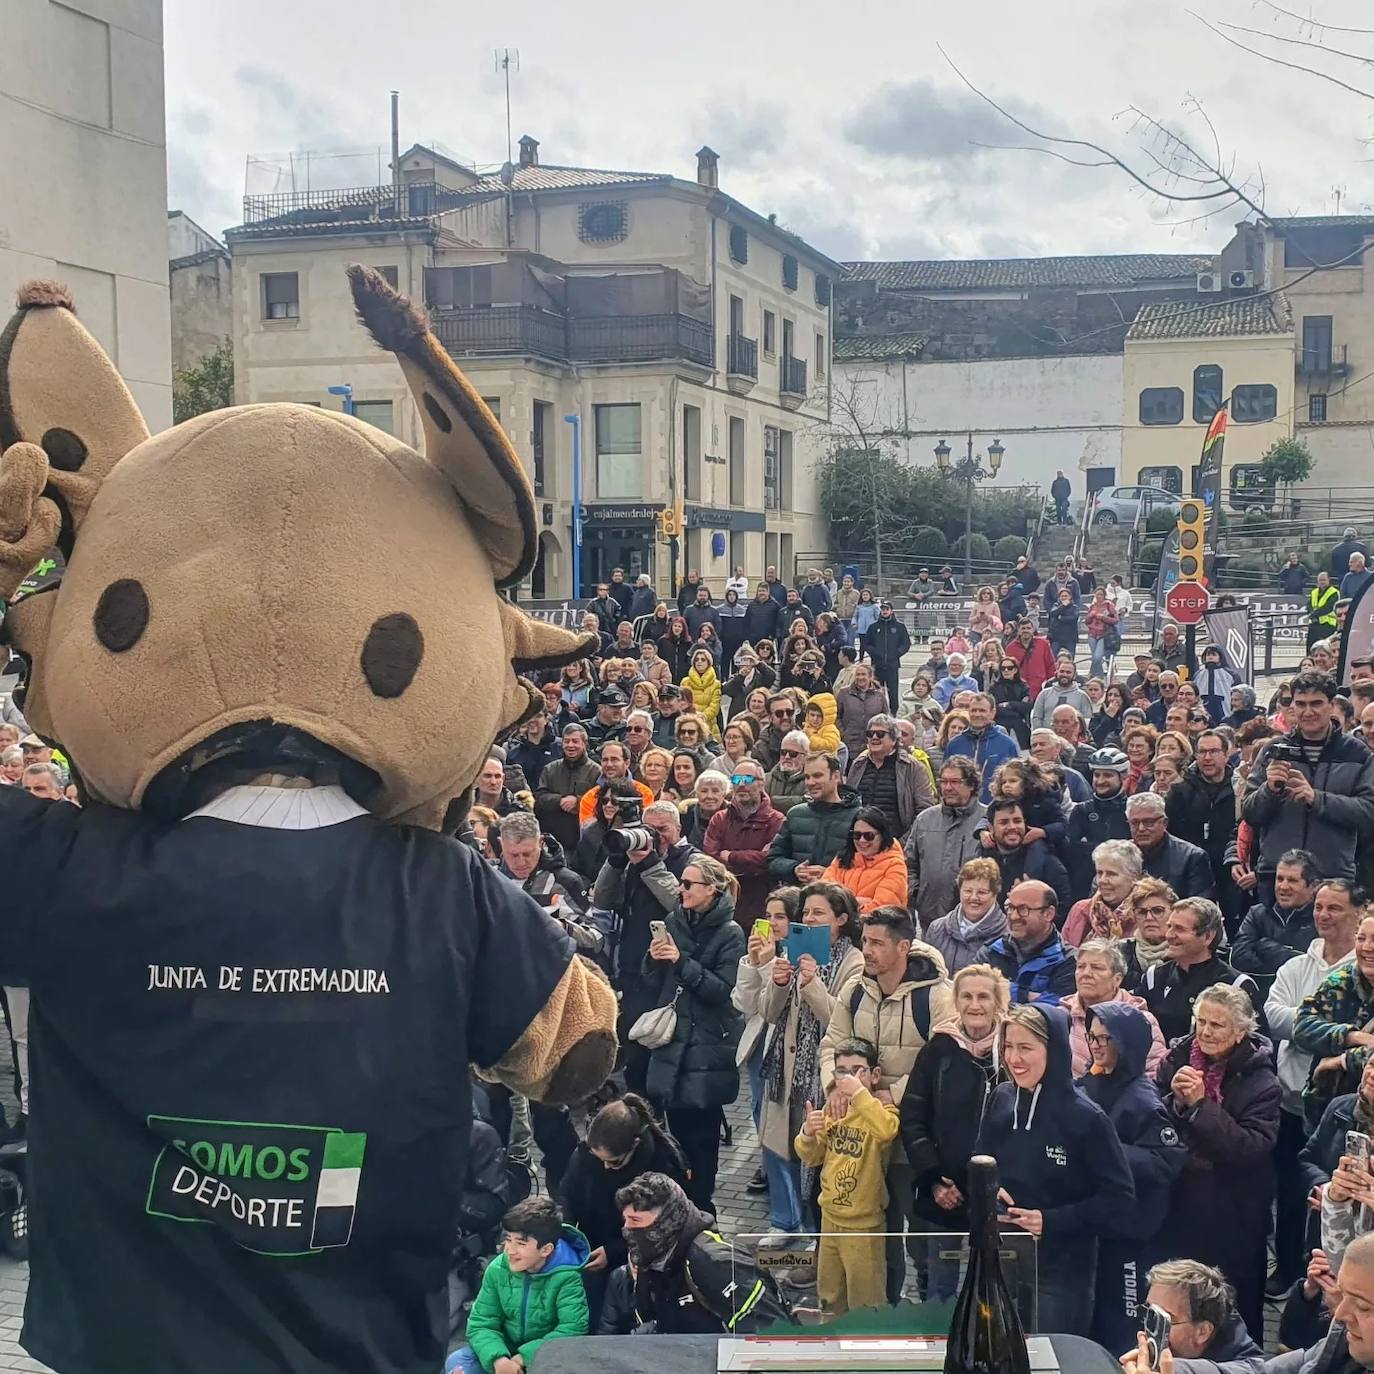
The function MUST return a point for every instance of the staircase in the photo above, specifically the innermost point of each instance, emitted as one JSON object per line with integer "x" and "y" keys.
{"x": 1106, "y": 551}
{"x": 1054, "y": 544}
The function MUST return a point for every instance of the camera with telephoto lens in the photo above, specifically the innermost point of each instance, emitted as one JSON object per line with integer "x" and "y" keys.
{"x": 630, "y": 833}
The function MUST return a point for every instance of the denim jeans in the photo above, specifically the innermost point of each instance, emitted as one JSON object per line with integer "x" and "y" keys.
{"x": 1099, "y": 653}
{"x": 463, "y": 1361}
{"x": 784, "y": 1192}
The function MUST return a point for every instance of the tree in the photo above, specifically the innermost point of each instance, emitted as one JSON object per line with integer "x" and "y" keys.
{"x": 1288, "y": 461}
{"x": 209, "y": 385}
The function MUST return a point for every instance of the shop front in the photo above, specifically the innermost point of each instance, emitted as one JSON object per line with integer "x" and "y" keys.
{"x": 617, "y": 535}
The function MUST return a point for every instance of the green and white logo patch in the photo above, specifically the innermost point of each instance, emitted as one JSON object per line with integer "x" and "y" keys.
{"x": 276, "y": 1189}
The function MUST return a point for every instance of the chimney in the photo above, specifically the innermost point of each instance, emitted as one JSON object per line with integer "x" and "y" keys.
{"x": 529, "y": 151}
{"x": 708, "y": 167}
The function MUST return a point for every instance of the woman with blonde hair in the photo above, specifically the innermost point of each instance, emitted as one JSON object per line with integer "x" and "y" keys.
{"x": 704, "y": 685}
{"x": 1149, "y": 904}
{"x": 952, "y": 725}
{"x": 739, "y": 738}
{"x": 1178, "y": 744}
{"x": 985, "y": 619}
{"x": 976, "y": 920}
{"x": 643, "y": 697}
{"x": 696, "y": 961}
{"x": 655, "y": 767}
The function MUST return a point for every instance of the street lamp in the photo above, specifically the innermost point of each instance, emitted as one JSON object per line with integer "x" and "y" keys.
{"x": 346, "y": 391}
{"x": 970, "y": 471}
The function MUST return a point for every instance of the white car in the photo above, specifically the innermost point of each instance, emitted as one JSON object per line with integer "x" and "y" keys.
{"x": 1118, "y": 505}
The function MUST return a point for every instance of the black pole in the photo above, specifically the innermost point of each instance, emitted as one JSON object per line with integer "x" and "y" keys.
{"x": 1189, "y": 645}
{"x": 672, "y": 565}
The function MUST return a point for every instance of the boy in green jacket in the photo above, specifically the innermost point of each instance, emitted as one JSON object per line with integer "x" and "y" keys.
{"x": 530, "y": 1293}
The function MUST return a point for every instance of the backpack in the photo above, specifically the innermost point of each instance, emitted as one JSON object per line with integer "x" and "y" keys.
{"x": 918, "y": 1004}
{"x": 768, "y": 1306}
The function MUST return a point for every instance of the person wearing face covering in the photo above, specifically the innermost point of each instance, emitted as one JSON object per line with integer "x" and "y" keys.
{"x": 1063, "y": 1172}
{"x": 1120, "y": 1038}
{"x": 689, "y": 1278}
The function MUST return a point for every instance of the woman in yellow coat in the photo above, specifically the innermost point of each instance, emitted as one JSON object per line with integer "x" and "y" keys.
{"x": 871, "y": 864}
{"x": 819, "y": 723}
{"x": 704, "y": 685}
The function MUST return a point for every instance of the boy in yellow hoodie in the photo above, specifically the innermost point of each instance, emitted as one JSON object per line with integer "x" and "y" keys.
{"x": 852, "y": 1152}
{"x": 819, "y": 723}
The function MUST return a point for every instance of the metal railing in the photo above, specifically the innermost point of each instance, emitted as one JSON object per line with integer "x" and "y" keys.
{"x": 1323, "y": 362}
{"x": 639, "y": 338}
{"x": 792, "y": 376}
{"x": 418, "y": 199}
{"x": 1133, "y": 539}
{"x": 1080, "y": 539}
{"x": 742, "y": 356}
{"x": 502, "y": 329}
{"x": 529, "y": 329}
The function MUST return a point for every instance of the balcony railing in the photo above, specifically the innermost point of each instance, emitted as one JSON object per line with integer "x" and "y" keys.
{"x": 742, "y": 356}
{"x": 1323, "y": 362}
{"x": 792, "y": 376}
{"x": 503, "y": 330}
{"x": 419, "y": 199}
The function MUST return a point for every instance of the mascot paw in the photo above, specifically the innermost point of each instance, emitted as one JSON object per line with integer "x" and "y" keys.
{"x": 29, "y": 521}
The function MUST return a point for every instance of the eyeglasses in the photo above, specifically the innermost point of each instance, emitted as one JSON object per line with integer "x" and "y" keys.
{"x": 1101, "y": 1041}
{"x": 1020, "y": 909}
{"x": 1146, "y": 821}
{"x": 864, "y": 834}
{"x": 853, "y": 1073}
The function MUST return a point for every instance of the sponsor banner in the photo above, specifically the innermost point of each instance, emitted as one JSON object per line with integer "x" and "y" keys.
{"x": 1229, "y": 631}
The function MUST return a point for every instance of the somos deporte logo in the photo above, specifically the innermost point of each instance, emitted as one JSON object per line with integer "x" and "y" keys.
{"x": 276, "y": 1189}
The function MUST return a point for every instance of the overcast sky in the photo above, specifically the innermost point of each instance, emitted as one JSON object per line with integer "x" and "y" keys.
{"x": 842, "y": 118}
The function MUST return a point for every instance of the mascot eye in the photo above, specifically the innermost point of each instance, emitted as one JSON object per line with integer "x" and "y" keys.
{"x": 392, "y": 653}
{"x": 66, "y": 451}
{"x": 121, "y": 615}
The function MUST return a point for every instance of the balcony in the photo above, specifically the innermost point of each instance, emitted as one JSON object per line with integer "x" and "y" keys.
{"x": 792, "y": 380}
{"x": 1323, "y": 362}
{"x": 638, "y": 339}
{"x": 502, "y": 331}
{"x": 741, "y": 362}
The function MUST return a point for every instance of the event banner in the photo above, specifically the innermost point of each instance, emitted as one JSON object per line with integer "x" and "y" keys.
{"x": 1357, "y": 637}
{"x": 1229, "y": 631}
{"x": 1209, "y": 485}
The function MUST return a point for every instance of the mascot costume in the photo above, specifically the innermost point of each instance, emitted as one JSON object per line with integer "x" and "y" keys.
{"x": 277, "y": 656}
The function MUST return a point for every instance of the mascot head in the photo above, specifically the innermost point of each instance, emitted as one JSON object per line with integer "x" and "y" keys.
{"x": 268, "y": 588}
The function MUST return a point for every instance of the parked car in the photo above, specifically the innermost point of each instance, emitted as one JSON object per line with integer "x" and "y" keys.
{"x": 1118, "y": 505}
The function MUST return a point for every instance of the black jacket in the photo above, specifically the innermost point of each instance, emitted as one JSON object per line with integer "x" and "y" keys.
{"x": 1170, "y": 992}
{"x": 697, "y": 1067}
{"x": 1268, "y": 938}
{"x": 587, "y": 1194}
{"x": 1090, "y": 823}
{"x": 1013, "y": 709}
{"x": 1204, "y": 813}
{"x": 886, "y": 642}
{"x": 618, "y": 1315}
{"x": 761, "y": 620}
{"x": 1182, "y": 865}
{"x": 696, "y": 616}
{"x": 941, "y": 1114}
{"x": 1035, "y": 860}
{"x": 486, "y": 1183}
{"x": 532, "y": 759}
{"x": 1326, "y": 1144}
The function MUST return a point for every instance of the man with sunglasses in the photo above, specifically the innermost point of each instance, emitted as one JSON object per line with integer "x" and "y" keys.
{"x": 786, "y": 784}
{"x": 887, "y": 777}
{"x": 739, "y": 835}
{"x": 782, "y": 717}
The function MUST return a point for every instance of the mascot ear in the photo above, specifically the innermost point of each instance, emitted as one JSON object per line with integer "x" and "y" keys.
{"x": 60, "y": 392}
{"x": 530, "y": 645}
{"x": 462, "y": 437}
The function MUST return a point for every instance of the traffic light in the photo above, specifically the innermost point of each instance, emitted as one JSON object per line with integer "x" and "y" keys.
{"x": 668, "y": 526}
{"x": 1192, "y": 534}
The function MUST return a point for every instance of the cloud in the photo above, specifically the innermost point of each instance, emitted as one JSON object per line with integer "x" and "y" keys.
{"x": 922, "y": 122}
{"x": 746, "y": 133}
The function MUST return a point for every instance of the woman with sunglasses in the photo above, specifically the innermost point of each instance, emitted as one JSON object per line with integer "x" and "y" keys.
{"x": 691, "y": 733}
{"x": 1013, "y": 700}
{"x": 871, "y": 865}
{"x": 624, "y": 1140}
{"x": 696, "y": 961}
{"x": 797, "y": 1003}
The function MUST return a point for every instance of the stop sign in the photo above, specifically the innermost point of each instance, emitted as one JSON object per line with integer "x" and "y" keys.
{"x": 1186, "y": 601}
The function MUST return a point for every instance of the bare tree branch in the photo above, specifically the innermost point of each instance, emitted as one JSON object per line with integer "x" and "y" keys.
{"x": 1217, "y": 29}
{"x": 1309, "y": 22}
{"x": 1362, "y": 58}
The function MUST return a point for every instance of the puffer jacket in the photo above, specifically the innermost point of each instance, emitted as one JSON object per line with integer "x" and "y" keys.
{"x": 891, "y": 1023}
{"x": 962, "y": 947}
{"x": 879, "y": 881}
{"x": 941, "y": 842}
{"x": 1332, "y": 828}
{"x": 1204, "y": 814}
{"x": 1269, "y": 937}
{"x": 825, "y": 739}
{"x": 696, "y": 1069}
{"x": 856, "y": 710}
{"x": 705, "y": 690}
{"x": 812, "y": 833}
{"x": 846, "y": 602}
{"x": 1091, "y": 822}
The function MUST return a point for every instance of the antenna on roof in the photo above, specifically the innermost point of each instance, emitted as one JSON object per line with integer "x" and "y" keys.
{"x": 1338, "y": 193}
{"x": 506, "y": 59}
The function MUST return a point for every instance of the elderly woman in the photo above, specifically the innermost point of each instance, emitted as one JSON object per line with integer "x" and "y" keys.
{"x": 712, "y": 789}
{"x": 1061, "y": 1165}
{"x": 1151, "y": 901}
{"x": 739, "y": 738}
{"x": 1099, "y": 972}
{"x": 942, "y": 1108}
{"x": 976, "y": 921}
{"x": 655, "y": 767}
{"x": 1223, "y": 1098}
{"x": 696, "y": 960}
{"x": 796, "y": 1002}
{"x": 1138, "y": 743}
{"x": 1107, "y": 913}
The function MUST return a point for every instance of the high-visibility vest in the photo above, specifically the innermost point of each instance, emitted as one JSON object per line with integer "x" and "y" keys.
{"x": 1323, "y": 605}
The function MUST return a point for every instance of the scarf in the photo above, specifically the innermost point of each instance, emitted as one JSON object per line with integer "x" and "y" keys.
{"x": 1148, "y": 954}
{"x": 1109, "y": 923}
{"x": 1212, "y": 1072}
{"x": 979, "y": 1049}
{"x": 653, "y": 1246}
{"x": 968, "y": 930}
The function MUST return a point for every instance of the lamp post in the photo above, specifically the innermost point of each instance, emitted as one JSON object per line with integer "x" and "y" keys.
{"x": 970, "y": 471}
{"x": 346, "y": 391}
{"x": 576, "y": 422}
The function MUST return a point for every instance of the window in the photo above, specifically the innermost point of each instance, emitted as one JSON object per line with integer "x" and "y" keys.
{"x": 770, "y": 467}
{"x": 737, "y": 461}
{"x": 822, "y": 290}
{"x": 539, "y": 436}
{"x": 1316, "y": 408}
{"x": 788, "y": 339}
{"x": 790, "y": 272}
{"x": 820, "y": 355}
{"x": 1207, "y": 393}
{"x": 785, "y": 469}
{"x": 739, "y": 244}
{"x": 493, "y": 404}
{"x": 604, "y": 221}
{"x": 1316, "y": 343}
{"x": 281, "y": 296}
{"x": 618, "y": 456}
{"x": 770, "y": 333}
{"x": 1251, "y": 404}
{"x": 376, "y": 413}
{"x": 1161, "y": 405}
{"x": 1168, "y": 479}
{"x": 691, "y": 452}
{"x": 390, "y": 275}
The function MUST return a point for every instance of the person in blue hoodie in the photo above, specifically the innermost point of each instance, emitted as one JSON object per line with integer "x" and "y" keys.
{"x": 1119, "y": 1041}
{"x": 1064, "y": 1176}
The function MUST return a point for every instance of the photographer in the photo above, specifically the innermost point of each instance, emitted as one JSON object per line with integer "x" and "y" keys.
{"x": 536, "y": 862}
{"x": 639, "y": 884}
{"x": 1205, "y": 1326}
{"x": 1312, "y": 789}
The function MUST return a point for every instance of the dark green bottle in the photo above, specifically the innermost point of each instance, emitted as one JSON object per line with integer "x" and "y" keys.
{"x": 985, "y": 1336}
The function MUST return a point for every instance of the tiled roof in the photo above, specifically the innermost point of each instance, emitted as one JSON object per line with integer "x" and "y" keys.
{"x": 1235, "y": 318}
{"x": 1322, "y": 222}
{"x": 877, "y": 347}
{"x": 1096, "y": 269}
{"x": 545, "y": 178}
{"x": 197, "y": 259}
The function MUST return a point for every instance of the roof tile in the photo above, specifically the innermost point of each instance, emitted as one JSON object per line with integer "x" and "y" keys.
{"x": 1096, "y": 269}
{"x": 1233, "y": 318}
{"x": 877, "y": 347}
